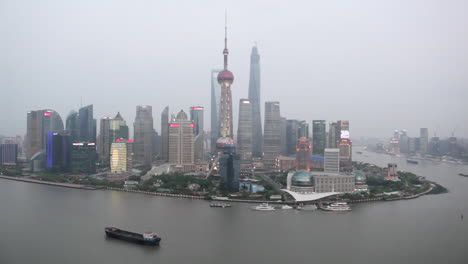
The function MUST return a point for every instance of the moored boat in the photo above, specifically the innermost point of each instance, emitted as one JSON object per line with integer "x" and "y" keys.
{"x": 286, "y": 207}
{"x": 263, "y": 207}
{"x": 220, "y": 205}
{"x": 412, "y": 161}
{"x": 147, "y": 238}
{"x": 307, "y": 207}
{"x": 337, "y": 207}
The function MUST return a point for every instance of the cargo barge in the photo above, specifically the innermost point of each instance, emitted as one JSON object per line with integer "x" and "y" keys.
{"x": 147, "y": 238}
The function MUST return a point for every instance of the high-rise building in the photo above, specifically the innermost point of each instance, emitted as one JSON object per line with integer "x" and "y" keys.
{"x": 303, "y": 129}
{"x": 333, "y": 132}
{"x": 87, "y": 124}
{"x": 72, "y": 125}
{"x": 272, "y": 134}
{"x": 319, "y": 137}
{"x": 181, "y": 148}
{"x": 303, "y": 154}
{"x": 8, "y": 154}
{"x": 121, "y": 160}
{"x": 196, "y": 116}
{"x": 215, "y": 107}
{"x": 423, "y": 140}
{"x": 104, "y": 139}
{"x": 229, "y": 170}
{"x": 165, "y": 134}
{"x": 39, "y": 123}
{"x": 118, "y": 128}
{"x": 404, "y": 142}
{"x": 292, "y": 135}
{"x": 254, "y": 97}
{"x": 245, "y": 130}
{"x": 331, "y": 160}
{"x": 345, "y": 147}
{"x": 58, "y": 151}
{"x": 83, "y": 157}
{"x": 143, "y": 145}
{"x": 284, "y": 136}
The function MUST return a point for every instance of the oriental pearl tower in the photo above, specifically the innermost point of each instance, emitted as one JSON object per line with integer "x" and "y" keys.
{"x": 225, "y": 79}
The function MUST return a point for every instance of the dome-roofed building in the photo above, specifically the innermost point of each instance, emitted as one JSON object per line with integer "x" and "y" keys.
{"x": 361, "y": 181}
{"x": 300, "y": 181}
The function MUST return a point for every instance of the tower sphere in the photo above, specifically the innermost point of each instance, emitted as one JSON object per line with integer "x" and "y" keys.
{"x": 225, "y": 76}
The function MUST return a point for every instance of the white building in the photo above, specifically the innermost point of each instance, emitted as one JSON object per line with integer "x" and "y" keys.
{"x": 331, "y": 160}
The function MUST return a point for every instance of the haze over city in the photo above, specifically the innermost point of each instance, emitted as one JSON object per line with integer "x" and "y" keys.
{"x": 383, "y": 66}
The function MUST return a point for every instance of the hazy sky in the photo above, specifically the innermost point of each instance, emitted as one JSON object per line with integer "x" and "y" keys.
{"x": 381, "y": 64}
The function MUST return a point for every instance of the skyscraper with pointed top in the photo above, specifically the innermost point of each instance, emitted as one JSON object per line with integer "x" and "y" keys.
{"x": 254, "y": 97}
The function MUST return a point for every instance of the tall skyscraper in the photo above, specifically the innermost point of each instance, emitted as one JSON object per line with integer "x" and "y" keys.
{"x": 58, "y": 151}
{"x": 143, "y": 145}
{"x": 121, "y": 160}
{"x": 39, "y": 123}
{"x": 333, "y": 132}
{"x": 118, "y": 128}
{"x": 72, "y": 124}
{"x": 272, "y": 134}
{"x": 196, "y": 116}
{"x": 245, "y": 130}
{"x": 345, "y": 147}
{"x": 423, "y": 140}
{"x": 8, "y": 154}
{"x": 83, "y": 157}
{"x": 303, "y": 129}
{"x": 215, "y": 107}
{"x": 292, "y": 135}
{"x": 331, "y": 160}
{"x": 284, "y": 136}
{"x": 319, "y": 137}
{"x": 181, "y": 148}
{"x": 104, "y": 139}
{"x": 165, "y": 134}
{"x": 303, "y": 154}
{"x": 87, "y": 124}
{"x": 254, "y": 97}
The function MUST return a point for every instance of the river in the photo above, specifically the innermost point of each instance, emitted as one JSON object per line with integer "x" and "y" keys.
{"x": 47, "y": 224}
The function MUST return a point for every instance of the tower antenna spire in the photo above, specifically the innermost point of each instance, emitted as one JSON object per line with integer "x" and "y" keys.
{"x": 225, "y": 51}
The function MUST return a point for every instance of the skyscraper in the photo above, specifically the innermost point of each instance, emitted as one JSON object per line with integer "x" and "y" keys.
{"x": 143, "y": 145}
{"x": 121, "y": 160}
{"x": 303, "y": 129}
{"x": 345, "y": 147}
{"x": 245, "y": 130}
{"x": 303, "y": 154}
{"x": 118, "y": 128}
{"x": 39, "y": 123}
{"x": 292, "y": 135}
{"x": 333, "y": 132}
{"x": 254, "y": 97}
{"x": 104, "y": 139}
{"x": 283, "y": 136}
{"x": 165, "y": 134}
{"x": 87, "y": 124}
{"x": 181, "y": 148}
{"x": 83, "y": 157}
{"x": 72, "y": 124}
{"x": 58, "y": 151}
{"x": 319, "y": 137}
{"x": 423, "y": 140}
{"x": 196, "y": 116}
{"x": 272, "y": 134}
{"x": 8, "y": 154}
{"x": 215, "y": 107}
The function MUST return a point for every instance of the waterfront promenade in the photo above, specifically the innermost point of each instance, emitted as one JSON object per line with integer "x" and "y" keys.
{"x": 60, "y": 184}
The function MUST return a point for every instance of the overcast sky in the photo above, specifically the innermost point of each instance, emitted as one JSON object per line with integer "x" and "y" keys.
{"x": 383, "y": 65}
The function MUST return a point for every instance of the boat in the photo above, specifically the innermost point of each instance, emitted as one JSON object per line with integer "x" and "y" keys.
{"x": 412, "y": 161}
{"x": 359, "y": 152}
{"x": 220, "y": 205}
{"x": 307, "y": 207}
{"x": 464, "y": 175}
{"x": 263, "y": 207}
{"x": 286, "y": 207}
{"x": 147, "y": 238}
{"x": 337, "y": 207}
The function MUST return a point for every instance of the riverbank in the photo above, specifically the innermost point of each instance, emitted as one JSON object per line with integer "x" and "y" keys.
{"x": 59, "y": 184}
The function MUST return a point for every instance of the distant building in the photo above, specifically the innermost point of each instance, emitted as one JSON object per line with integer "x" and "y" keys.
{"x": 181, "y": 147}
{"x": 272, "y": 134}
{"x": 87, "y": 124}
{"x": 319, "y": 137}
{"x": 392, "y": 172}
{"x": 254, "y": 98}
{"x": 104, "y": 139}
{"x": 165, "y": 134}
{"x": 58, "y": 151}
{"x": 423, "y": 140}
{"x": 72, "y": 125}
{"x": 121, "y": 156}
{"x": 118, "y": 128}
{"x": 292, "y": 135}
{"x": 332, "y": 160}
{"x": 404, "y": 142}
{"x": 286, "y": 163}
{"x": 39, "y": 123}
{"x": 229, "y": 165}
{"x": 303, "y": 129}
{"x": 303, "y": 154}
{"x": 304, "y": 182}
{"x": 8, "y": 154}
{"x": 143, "y": 146}
{"x": 83, "y": 157}
{"x": 333, "y": 135}
{"x": 245, "y": 130}
{"x": 345, "y": 147}
{"x": 196, "y": 116}
{"x": 283, "y": 136}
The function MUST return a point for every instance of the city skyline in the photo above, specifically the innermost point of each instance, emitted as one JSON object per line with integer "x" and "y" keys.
{"x": 419, "y": 86}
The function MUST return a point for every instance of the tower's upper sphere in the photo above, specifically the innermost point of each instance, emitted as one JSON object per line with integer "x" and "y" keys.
{"x": 225, "y": 76}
